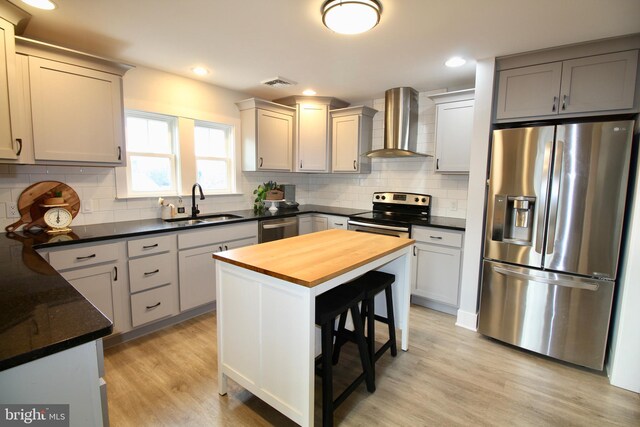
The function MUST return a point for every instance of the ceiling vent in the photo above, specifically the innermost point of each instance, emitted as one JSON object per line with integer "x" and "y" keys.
{"x": 278, "y": 82}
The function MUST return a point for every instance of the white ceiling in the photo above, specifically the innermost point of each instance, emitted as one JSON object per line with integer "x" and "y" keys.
{"x": 244, "y": 42}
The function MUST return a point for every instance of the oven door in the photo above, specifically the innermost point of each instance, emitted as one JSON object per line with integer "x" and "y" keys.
{"x": 387, "y": 230}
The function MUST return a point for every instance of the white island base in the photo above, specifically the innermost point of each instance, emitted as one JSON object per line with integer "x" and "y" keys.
{"x": 266, "y": 329}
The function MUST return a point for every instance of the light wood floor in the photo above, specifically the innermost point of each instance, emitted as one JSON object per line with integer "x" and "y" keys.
{"x": 450, "y": 376}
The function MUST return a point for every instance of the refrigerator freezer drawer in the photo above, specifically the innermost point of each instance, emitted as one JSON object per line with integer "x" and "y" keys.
{"x": 562, "y": 316}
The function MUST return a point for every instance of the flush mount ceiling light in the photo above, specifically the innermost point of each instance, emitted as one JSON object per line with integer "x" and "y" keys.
{"x": 309, "y": 92}
{"x": 455, "y": 61}
{"x": 41, "y": 4}
{"x": 351, "y": 16}
{"x": 200, "y": 71}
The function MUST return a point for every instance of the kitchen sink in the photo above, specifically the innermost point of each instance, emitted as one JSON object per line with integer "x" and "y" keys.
{"x": 203, "y": 219}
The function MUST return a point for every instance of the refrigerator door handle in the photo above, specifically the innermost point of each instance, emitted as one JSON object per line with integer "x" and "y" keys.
{"x": 542, "y": 209}
{"x": 554, "y": 196}
{"x": 589, "y": 286}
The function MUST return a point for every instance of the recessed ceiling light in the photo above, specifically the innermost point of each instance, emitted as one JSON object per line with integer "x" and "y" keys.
{"x": 351, "y": 16}
{"x": 201, "y": 71}
{"x": 309, "y": 92}
{"x": 41, "y": 4}
{"x": 456, "y": 61}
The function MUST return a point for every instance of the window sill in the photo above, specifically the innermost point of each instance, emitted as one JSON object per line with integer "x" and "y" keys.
{"x": 184, "y": 196}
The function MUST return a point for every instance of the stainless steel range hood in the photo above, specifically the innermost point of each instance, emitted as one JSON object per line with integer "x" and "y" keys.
{"x": 400, "y": 124}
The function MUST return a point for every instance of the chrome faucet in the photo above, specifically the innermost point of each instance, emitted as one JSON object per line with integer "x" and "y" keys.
{"x": 194, "y": 207}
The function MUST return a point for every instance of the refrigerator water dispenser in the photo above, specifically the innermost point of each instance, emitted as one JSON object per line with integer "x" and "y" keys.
{"x": 513, "y": 219}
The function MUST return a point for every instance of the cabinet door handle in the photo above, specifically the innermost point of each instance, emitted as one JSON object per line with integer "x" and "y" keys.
{"x": 155, "y": 245}
{"x": 119, "y": 153}
{"x": 435, "y": 237}
{"x": 19, "y": 141}
{"x": 553, "y": 107}
{"x": 149, "y": 307}
{"x": 437, "y": 164}
{"x": 354, "y": 165}
{"x": 115, "y": 274}
{"x": 149, "y": 273}
{"x": 220, "y": 248}
{"x": 81, "y": 258}
{"x": 260, "y": 162}
{"x": 300, "y": 164}
{"x": 414, "y": 251}
{"x": 226, "y": 248}
{"x": 564, "y": 102}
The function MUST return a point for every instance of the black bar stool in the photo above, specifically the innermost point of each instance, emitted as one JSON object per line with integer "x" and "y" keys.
{"x": 329, "y": 305}
{"x": 374, "y": 282}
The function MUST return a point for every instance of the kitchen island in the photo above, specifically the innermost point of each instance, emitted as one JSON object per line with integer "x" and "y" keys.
{"x": 266, "y": 308}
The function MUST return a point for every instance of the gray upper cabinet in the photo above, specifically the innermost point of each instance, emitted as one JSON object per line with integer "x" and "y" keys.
{"x": 599, "y": 83}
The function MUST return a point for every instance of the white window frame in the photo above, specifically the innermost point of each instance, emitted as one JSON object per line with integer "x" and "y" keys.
{"x": 229, "y": 160}
{"x": 184, "y": 162}
{"x": 173, "y": 157}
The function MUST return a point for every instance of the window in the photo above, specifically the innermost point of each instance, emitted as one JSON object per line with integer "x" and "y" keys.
{"x": 213, "y": 153}
{"x": 151, "y": 155}
{"x": 167, "y": 154}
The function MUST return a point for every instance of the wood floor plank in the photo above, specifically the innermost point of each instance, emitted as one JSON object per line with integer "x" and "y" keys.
{"x": 450, "y": 376}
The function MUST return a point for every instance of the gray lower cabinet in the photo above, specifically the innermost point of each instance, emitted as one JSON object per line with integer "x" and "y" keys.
{"x": 99, "y": 273}
{"x": 195, "y": 263}
{"x": 592, "y": 84}
{"x": 436, "y": 268}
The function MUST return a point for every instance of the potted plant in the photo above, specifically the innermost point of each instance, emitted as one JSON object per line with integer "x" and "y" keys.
{"x": 267, "y": 191}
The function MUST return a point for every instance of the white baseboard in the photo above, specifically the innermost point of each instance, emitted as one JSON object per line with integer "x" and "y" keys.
{"x": 467, "y": 320}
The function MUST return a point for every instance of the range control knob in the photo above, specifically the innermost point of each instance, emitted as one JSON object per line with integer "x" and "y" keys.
{"x": 377, "y": 197}
{"x": 383, "y": 197}
{"x": 416, "y": 200}
{"x": 424, "y": 200}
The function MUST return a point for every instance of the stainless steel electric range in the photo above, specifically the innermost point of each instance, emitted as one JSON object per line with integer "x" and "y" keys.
{"x": 393, "y": 214}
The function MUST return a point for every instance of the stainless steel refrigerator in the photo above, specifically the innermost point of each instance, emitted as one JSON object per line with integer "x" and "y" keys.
{"x": 555, "y": 209}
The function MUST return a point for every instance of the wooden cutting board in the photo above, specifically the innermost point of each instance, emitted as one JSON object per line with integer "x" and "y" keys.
{"x": 33, "y": 196}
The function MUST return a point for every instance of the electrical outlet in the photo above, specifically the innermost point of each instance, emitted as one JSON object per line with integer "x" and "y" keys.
{"x": 12, "y": 210}
{"x": 454, "y": 205}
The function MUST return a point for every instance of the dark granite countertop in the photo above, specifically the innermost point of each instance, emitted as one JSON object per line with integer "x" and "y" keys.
{"x": 42, "y": 314}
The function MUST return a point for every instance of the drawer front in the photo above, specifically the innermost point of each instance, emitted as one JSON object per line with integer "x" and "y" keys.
{"x": 149, "y": 272}
{"x": 211, "y": 235}
{"x": 82, "y": 257}
{"x": 437, "y": 236}
{"x": 152, "y": 305}
{"x": 151, "y": 245}
{"x": 337, "y": 222}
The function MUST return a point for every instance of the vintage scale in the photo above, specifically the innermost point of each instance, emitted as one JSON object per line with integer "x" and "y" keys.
{"x": 57, "y": 216}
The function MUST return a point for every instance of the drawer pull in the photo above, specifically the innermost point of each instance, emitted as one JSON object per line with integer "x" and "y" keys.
{"x": 155, "y": 245}
{"x": 149, "y": 307}
{"x": 149, "y": 273}
{"x": 80, "y": 258}
{"x": 435, "y": 237}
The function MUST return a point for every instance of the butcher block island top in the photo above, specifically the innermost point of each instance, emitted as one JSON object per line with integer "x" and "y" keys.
{"x": 311, "y": 259}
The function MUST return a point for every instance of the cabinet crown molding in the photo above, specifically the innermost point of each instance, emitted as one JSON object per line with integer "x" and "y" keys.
{"x": 356, "y": 109}
{"x": 324, "y": 100}
{"x": 13, "y": 14}
{"x": 458, "y": 95}
{"x": 247, "y": 104}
